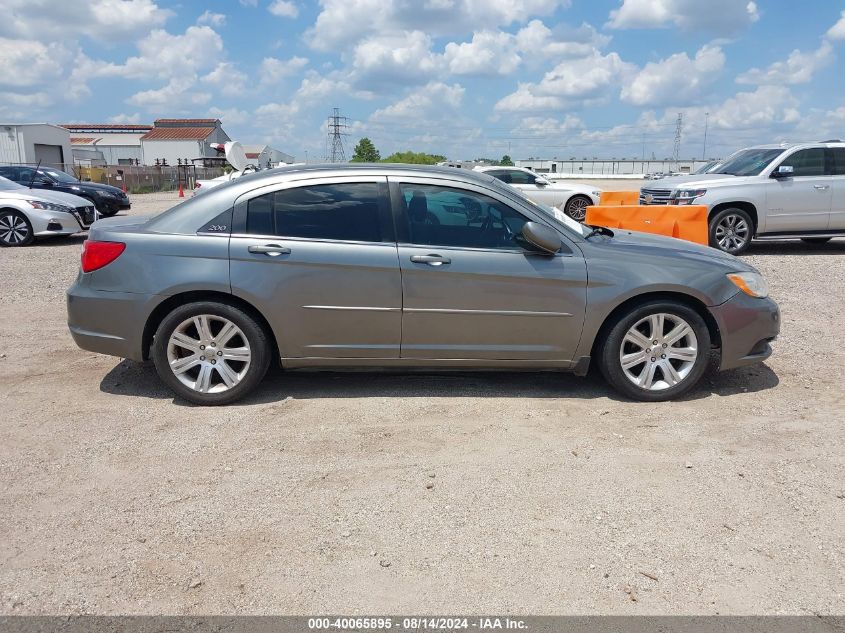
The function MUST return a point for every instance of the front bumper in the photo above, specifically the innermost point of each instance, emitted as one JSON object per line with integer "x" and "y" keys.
{"x": 747, "y": 326}
{"x": 108, "y": 322}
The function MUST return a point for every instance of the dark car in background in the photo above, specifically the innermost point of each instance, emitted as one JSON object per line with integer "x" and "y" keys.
{"x": 107, "y": 199}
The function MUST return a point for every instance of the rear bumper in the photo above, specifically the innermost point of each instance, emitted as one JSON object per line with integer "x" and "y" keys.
{"x": 108, "y": 322}
{"x": 747, "y": 326}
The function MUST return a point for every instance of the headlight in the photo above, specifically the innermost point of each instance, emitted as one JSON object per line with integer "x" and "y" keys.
{"x": 686, "y": 196}
{"x": 751, "y": 284}
{"x": 49, "y": 206}
{"x": 596, "y": 194}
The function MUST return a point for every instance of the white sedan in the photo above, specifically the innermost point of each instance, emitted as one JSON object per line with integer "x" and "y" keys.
{"x": 573, "y": 198}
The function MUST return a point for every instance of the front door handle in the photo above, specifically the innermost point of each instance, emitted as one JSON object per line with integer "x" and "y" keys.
{"x": 431, "y": 260}
{"x": 273, "y": 250}
{"x": 822, "y": 187}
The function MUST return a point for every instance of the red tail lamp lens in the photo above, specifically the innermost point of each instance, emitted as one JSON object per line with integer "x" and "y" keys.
{"x": 95, "y": 255}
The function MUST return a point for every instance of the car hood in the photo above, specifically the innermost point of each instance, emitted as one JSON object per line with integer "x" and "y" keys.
{"x": 91, "y": 186}
{"x": 659, "y": 246}
{"x": 58, "y": 197}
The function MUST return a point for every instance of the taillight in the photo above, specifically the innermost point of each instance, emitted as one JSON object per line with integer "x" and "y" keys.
{"x": 95, "y": 255}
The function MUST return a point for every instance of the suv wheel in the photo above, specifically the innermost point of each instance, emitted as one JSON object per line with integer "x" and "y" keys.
{"x": 211, "y": 353}
{"x": 731, "y": 231}
{"x": 15, "y": 229}
{"x": 656, "y": 352}
{"x": 576, "y": 208}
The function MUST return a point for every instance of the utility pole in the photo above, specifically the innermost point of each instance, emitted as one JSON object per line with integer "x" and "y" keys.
{"x": 679, "y": 126}
{"x": 337, "y": 130}
{"x": 706, "y": 121}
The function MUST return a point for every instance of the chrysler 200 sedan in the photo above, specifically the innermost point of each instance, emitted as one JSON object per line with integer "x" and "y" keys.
{"x": 380, "y": 266}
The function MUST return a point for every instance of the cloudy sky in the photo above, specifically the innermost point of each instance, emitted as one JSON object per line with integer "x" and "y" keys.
{"x": 464, "y": 78}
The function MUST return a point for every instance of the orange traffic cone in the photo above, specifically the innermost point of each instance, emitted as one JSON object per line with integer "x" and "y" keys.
{"x": 181, "y": 191}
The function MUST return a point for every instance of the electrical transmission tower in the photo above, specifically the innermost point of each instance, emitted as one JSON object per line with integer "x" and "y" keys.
{"x": 335, "y": 152}
{"x": 679, "y": 126}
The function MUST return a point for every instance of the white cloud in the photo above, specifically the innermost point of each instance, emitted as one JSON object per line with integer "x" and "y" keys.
{"x": 676, "y": 80}
{"x": 489, "y": 53}
{"x": 97, "y": 19}
{"x": 798, "y": 68}
{"x": 273, "y": 70}
{"x": 725, "y": 17}
{"x": 536, "y": 40}
{"x": 229, "y": 116}
{"x": 126, "y": 119}
{"x": 178, "y": 96}
{"x": 214, "y": 19}
{"x": 341, "y": 23}
{"x": 227, "y": 79}
{"x": 579, "y": 81}
{"x": 29, "y": 62}
{"x": 249, "y": 3}
{"x": 283, "y": 9}
{"x": 404, "y": 58}
{"x": 432, "y": 100}
{"x": 837, "y": 31}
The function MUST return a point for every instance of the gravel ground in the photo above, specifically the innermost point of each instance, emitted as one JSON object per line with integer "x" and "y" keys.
{"x": 474, "y": 493}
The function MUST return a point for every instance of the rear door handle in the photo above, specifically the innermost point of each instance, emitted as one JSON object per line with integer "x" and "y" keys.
{"x": 431, "y": 260}
{"x": 822, "y": 187}
{"x": 273, "y": 250}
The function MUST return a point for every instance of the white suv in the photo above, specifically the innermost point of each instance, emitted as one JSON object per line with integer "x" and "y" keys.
{"x": 571, "y": 197}
{"x": 766, "y": 192}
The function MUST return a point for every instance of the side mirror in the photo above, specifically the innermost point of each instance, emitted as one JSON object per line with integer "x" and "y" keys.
{"x": 541, "y": 182}
{"x": 541, "y": 237}
{"x": 784, "y": 171}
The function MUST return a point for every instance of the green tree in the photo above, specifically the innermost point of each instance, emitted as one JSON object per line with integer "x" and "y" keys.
{"x": 365, "y": 152}
{"x": 506, "y": 161}
{"x": 414, "y": 158}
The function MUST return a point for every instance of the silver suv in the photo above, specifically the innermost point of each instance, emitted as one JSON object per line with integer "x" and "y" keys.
{"x": 766, "y": 192}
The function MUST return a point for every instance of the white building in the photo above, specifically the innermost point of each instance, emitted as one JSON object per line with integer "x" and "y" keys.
{"x": 185, "y": 141}
{"x": 611, "y": 167}
{"x": 33, "y": 142}
{"x": 118, "y": 144}
{"x": 266, "y": 156}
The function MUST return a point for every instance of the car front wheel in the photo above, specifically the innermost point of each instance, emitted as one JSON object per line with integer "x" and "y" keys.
{"x": 731, "y": 231}
{"x": 656, "y": 352}
{"x": 211, "y": 353}
{"x": 576, "y": 207}
{"x": 15, "y": 229}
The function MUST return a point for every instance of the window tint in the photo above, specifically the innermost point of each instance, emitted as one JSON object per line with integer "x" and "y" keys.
{"x": 748, "y": 162}
{"x": 348, "y": 211}
{"x": 501, "y": 174}
{"x": 442, "y": 216}
{"x": 807, "y": 162}
{"x": 838, "y": 161}
{"x": 521, "y": 177}
{"x": 12, "y": 173}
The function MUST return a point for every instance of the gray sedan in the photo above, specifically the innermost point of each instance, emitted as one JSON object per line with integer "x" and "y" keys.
{"x": 379, "y": 266}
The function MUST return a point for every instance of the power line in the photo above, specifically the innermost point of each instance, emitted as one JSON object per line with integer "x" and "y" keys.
{"x": 679, "y": 126}
{"x": 337, "y": 131}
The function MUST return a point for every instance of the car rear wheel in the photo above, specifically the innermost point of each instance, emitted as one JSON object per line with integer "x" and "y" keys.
{"x": 211, "y": 353}
{"x": 576, "y": 207}
{"x": 816, "y": 240}
{"x": 15, "y": 229}
{"x": 656, "y": 352}
{"x": 731, "y": 231}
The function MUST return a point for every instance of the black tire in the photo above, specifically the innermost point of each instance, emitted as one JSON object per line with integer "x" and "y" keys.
{"x": 816, "y": 240}
{"x": 255, "y": 335}
{"x": 576, "y": 209}
{"x": 726, "y": 216}
{"x": 22, "y": 235}
{"x": 106, "y": 211}
{"x": 612, "y": 347}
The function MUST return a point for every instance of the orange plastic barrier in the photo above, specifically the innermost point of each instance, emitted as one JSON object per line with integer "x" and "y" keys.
{"x": 686, "y": 222}
{"x": 608, "y": 198}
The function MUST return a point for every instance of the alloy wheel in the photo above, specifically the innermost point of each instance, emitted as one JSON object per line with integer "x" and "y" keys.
{"x": 658, "y": 351}
{"x": 577, "y": 209}
{"x": 208, "y": 353}
{"x": 13, "y": 229}
{"x": 732, "y": 233}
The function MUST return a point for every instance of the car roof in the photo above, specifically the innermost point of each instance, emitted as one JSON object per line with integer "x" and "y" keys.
{"x": 786, "y": 146}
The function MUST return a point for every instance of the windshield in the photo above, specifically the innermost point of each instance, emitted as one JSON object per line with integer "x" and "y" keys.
{"x": 7, "y": 185}
{"x": 748, "y": 162}
{"x": 57, "y": 175}
{"x": 554, "y": 212}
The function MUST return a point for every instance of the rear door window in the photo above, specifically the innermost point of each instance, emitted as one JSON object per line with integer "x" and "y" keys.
{"x": 806, "y": 162}
{"x": 838, "y": 161}
{"x": 343, "y": 211}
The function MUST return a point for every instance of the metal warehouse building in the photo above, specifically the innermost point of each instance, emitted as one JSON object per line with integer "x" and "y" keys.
{"x": 34, "y": 142}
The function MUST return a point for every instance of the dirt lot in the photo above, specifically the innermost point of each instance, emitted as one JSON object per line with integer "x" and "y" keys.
{"x": 528, "y": 493}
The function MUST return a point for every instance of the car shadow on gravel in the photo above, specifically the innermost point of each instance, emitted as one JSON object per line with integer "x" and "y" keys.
{"x": 141, "y": 381}
{"x": 71, "y": 240}
{"x": 797, "y": 247}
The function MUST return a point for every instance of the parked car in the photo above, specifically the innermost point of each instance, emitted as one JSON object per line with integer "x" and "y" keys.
{"x": 26, "y": 214}
{"x": 573, "y": 198}
{"x": 766, "y": 192}
{"x": 108, "y": 200}
{"x": 404, "y": 266}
